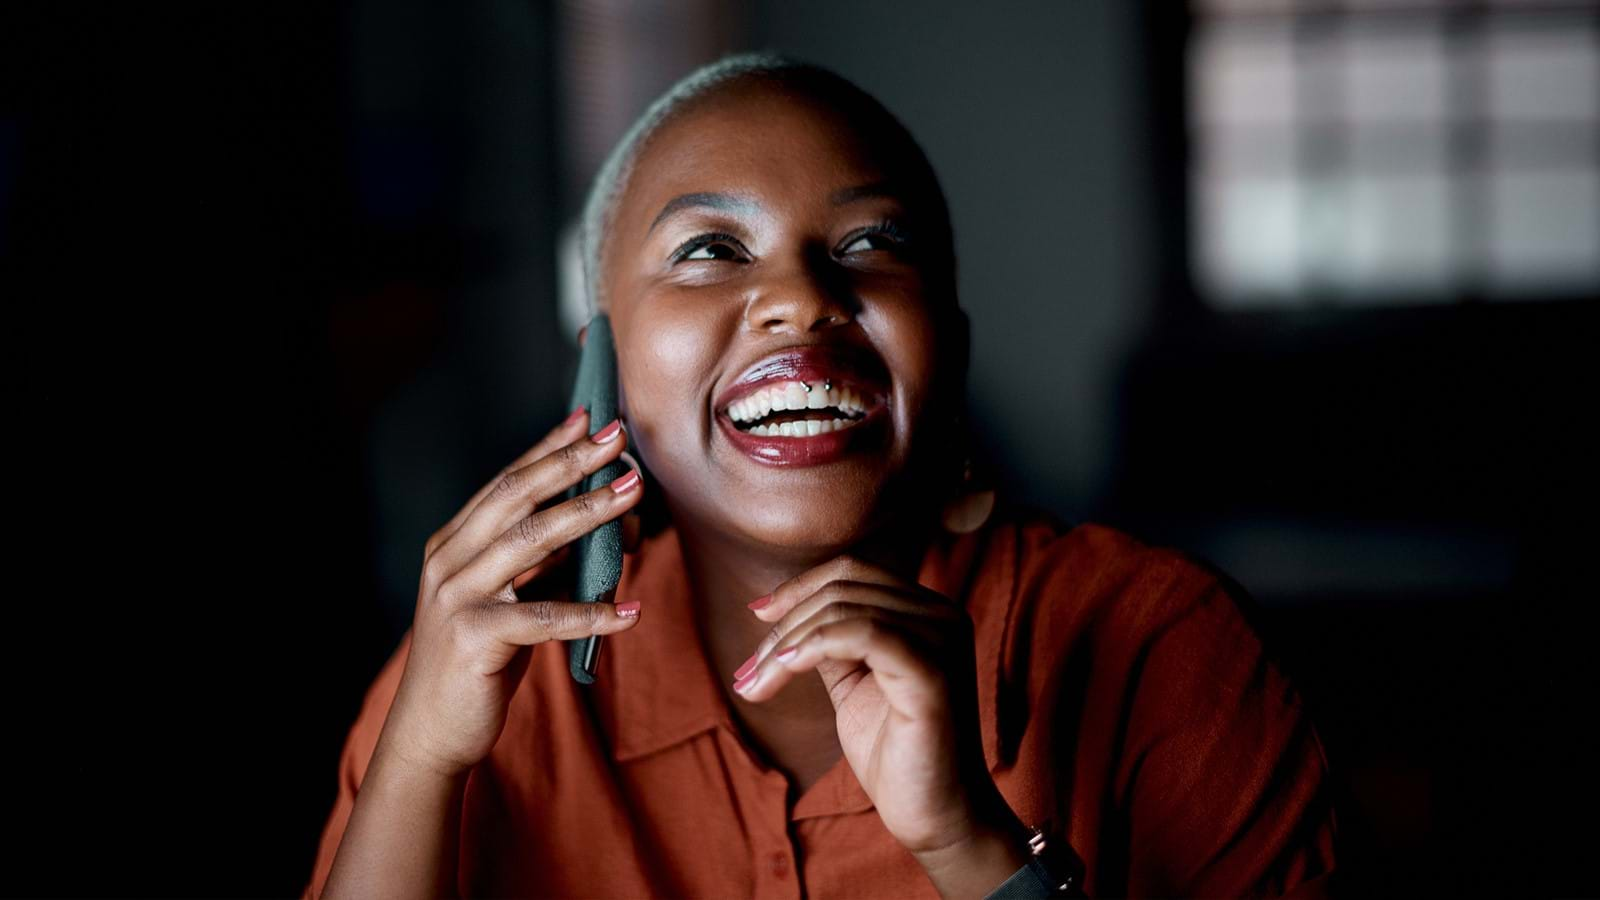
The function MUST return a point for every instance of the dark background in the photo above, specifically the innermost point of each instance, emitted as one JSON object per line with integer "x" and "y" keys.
{"x": 283, "y": 286}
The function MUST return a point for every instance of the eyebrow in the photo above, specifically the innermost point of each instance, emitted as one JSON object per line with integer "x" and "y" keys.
{"x": 734, "y": 203}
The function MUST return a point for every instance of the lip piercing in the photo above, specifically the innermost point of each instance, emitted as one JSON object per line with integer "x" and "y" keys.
{"x": 806, "y": 385}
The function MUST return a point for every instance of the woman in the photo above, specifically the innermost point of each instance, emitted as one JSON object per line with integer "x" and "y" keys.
{"x": 912, "y": 675}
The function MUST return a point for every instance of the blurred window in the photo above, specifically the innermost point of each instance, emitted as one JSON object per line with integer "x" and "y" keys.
{"x": 1393, "y": 152}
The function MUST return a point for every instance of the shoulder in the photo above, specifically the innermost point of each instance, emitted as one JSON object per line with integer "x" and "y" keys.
{"x": 1094, "y": 580}
{"x": 1156, "y": 623}
{"x": 1150, "y": 672}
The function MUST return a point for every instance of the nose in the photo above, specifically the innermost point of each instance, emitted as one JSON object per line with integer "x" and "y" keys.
{"x": 800, "y": 299}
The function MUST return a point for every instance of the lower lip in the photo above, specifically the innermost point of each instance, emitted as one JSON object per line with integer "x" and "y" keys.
{"x": 811, "y": 450}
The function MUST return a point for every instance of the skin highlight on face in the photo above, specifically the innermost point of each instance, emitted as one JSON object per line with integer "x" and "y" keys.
{"x": 757, "y": 220}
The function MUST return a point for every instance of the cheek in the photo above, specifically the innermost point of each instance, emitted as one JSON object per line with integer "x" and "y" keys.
{"x": 665, "y": 363}
{"x": 910, "y": 347}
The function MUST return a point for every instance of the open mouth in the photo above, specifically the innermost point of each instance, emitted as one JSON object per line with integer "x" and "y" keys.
{"x": 795, "y": 408}
{"x": 808, "y": 405}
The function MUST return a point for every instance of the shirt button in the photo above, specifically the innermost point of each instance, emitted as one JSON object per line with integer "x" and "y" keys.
{"x": 780, "y": 865}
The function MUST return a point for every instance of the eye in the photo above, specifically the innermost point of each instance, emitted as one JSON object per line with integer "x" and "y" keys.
{"x": 712, "y": 244}
{"x": 888, "y": 234}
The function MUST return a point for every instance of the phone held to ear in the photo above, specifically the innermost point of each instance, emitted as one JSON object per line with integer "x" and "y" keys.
{"x": 598, "y": 554}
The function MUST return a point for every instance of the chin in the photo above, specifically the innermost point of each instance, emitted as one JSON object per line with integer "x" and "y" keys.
{"x": 809, "y": 521}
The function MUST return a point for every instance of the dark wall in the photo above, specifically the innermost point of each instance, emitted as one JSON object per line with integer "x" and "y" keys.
{"x": 284, "y": 296}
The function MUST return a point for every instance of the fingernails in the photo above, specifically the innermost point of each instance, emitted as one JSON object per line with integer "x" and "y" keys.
{"x": 626, "y": 482}
{"x": 745, "y": 682}
{"x": 629, "y": 610}
{"x": 745, "y": 669}
{"x": 574, "y": 416}
{"x": 608, "y": 433}
{"x": 759, "y": 602}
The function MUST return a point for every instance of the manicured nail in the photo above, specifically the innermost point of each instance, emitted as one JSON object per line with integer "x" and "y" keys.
{"x": 788, "y": 652}
{"x": 628, "y": 610}
{"x": 746, "y": 681}
{"x": 626, "y": 482}
{"x": 759, "y": 602}
{"x": 574, "y": 416}
{"x": 745, "y": 669}
{"x": 608, "y": 433}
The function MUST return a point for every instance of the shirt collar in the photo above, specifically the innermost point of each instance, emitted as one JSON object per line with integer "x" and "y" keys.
{"x": 662, "y": 690}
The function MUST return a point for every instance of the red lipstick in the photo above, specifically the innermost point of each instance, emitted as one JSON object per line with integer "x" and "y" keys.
{"x": 844, "y": 365}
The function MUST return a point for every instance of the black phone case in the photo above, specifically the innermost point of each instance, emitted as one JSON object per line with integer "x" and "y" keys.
{"x": 598, "y": 554}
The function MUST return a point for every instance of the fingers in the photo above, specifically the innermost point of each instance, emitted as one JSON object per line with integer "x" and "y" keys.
{"x": 569, "y": 429}
{"x": 843, "y": 593}
{"x": 785, "y": 597}
{"x": 520, "y": 491}
{"x": 533, "y": 538}
{"x": 894, "y": 647}
{"x": 552, "y": 620}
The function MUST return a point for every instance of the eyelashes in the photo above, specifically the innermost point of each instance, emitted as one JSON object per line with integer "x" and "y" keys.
{"x": 702, "y": 240}
{"x": 900, "y": 240}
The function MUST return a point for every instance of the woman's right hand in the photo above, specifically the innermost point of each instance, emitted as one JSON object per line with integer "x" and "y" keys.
{"x": 472, "y": 637}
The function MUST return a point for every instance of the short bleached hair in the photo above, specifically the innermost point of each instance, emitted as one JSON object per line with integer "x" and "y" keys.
{"x": 611, "y": 180}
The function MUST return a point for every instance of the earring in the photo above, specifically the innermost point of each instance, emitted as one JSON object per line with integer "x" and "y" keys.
{"x": 972, "y": 505}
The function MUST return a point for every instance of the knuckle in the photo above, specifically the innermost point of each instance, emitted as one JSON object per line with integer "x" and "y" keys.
{"x": 545, "y": 615}
{"x": 506, "y": 485}
{"x": 531, "y": 530}
{"x": 836, "y": 591}
{"x": 840, "y": 612}
{"x": 587, "y": 506}
{"x": 434, "y": 577}
{"x": 570, "y": 461}
{"x": 446, "y": 591}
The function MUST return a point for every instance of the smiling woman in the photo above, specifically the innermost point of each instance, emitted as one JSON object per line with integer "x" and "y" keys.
{"x": 934, "y": 681}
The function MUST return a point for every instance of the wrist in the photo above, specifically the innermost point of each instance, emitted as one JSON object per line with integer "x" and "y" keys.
{"x": 397, "y": 762}
{"x": 992, "y": 850}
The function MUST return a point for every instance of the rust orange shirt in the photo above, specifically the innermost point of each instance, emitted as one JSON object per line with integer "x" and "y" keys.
{"x": 1122, "y": 695}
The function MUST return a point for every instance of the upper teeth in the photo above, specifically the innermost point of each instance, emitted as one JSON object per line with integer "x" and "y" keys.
{"x": 784, "y": 395}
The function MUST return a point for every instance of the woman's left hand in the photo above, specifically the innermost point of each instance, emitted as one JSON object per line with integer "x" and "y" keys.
{"x": 897, "y": 659}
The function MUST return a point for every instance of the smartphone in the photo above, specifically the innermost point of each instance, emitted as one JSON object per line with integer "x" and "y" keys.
{"x": 598, "y": 555}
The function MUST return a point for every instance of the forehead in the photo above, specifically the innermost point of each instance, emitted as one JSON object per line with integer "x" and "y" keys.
{"x": 758, "y": 138}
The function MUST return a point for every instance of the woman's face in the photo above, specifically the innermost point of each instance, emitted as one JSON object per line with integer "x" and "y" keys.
{"x": 747, "y": 260}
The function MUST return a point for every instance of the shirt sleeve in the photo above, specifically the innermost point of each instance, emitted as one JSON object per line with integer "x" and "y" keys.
{"x": 359, "y": 744}
{"x": 1229, "y": 793}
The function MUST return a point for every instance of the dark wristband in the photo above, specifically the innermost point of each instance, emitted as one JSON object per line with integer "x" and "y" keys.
{"x": 1052, "y": 870}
